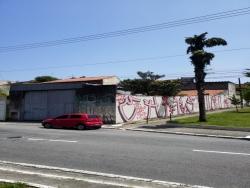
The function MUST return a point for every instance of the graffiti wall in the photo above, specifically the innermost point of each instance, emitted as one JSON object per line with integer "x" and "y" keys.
{"x": 97, "y": 100}
{"x": 134, "y": 108}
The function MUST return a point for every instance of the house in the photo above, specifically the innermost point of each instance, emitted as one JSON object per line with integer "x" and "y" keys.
{"x": 188, "y": 87}
{"x": 36, "y": 101}
{"x": 4, "y": 92}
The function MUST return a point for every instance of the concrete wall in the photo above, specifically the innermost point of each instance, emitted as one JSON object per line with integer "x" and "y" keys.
{"x": 134, "y": 108}
{"x": 98, "y": 100}
{"x": 3, "y": 103}
{"x": 231, "y": 89}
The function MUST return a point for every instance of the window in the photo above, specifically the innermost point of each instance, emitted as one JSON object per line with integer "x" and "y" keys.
{"x": 62, "y": 117}
{"x": 92, "y": 116}
{"x": 75, "y": 116}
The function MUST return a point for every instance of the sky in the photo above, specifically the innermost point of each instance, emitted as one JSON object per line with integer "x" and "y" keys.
{"x": 30, "y": 21}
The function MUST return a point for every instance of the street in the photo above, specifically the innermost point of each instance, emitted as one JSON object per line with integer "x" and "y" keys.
{"x": 192, "y": 160}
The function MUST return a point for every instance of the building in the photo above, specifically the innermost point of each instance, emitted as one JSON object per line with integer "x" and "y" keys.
{"x": 37, "y": 101}
{"x": 4, "y": 92}
{"x": 188, "y": 88}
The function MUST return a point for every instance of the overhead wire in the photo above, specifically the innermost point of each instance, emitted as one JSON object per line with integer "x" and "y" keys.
{"x": 171, "y": 24}
{"x": 116, "y": 61}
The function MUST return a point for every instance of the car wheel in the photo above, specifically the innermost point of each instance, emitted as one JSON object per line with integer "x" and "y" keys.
{"x": 47, "y": 126}
{"x": 81, "y": 127}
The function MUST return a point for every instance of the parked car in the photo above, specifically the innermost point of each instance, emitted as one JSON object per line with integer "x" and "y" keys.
{"x": 79, "y": 121}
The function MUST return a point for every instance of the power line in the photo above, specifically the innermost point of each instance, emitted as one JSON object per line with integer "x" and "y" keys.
{"x": 117, "y": 61}
{"x": 171, "y": 24}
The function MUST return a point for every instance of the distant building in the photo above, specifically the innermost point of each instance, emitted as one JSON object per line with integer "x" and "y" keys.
{"x": 4, "y": 92}
{"x": 36, "y": 101}
{"x": 188, "y": 87}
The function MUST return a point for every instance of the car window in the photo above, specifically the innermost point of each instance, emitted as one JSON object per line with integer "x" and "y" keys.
{"x": 62, "y": 117}
{"x": 92, "y": 116}
{"x": 75, "y": 116}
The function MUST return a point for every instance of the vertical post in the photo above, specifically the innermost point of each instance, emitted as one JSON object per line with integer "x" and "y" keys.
{"x": 241, "y": 98}
{"x": 148, "y": 115}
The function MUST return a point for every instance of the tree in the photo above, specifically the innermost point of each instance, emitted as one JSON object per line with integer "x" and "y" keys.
{"x": 165, "y": 87}
{"x": 247, "y": 73}
{"x": 235, "y": 101}
{"x": 39, "y": 79}
{"x": 246, "y": 95}
{"x": 149, "y": 84}
{"x": 149, "y": 76}
{"x": 200, "y": 59}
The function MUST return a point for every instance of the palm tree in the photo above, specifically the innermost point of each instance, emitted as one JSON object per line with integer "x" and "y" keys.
{"x": 200, "y": 59}
{"x": 247, "y": 73}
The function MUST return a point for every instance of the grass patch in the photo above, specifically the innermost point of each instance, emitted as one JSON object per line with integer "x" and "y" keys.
{"x": 13, "y": 185}
{"x": 226, "y": 119}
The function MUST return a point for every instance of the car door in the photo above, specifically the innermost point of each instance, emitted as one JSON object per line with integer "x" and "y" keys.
{"x": 93, "y": 119}
{"x": 75, "y": 120}
{"x": 61, "y": 121}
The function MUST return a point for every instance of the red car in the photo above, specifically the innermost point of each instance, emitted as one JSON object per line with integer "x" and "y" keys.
{"x": 80, "y": 121}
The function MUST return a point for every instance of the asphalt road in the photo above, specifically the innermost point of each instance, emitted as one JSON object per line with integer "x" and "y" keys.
{"x": 184, "y": 159}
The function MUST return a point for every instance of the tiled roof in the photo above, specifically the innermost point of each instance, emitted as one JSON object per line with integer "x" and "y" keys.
{"x": 207, "y": 92}
{"x": 81, "y": 79}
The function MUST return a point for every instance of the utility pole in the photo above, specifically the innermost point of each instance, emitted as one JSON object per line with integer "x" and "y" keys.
{"x": 241, "y": 98}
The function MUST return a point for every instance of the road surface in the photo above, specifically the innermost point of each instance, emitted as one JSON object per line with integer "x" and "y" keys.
{"x": 176, "y": 158}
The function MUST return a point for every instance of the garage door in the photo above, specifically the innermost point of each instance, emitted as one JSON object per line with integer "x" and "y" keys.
{"x": 60, "y": 102}
{"x": 35, "y": 105}
{"x": 43, "y": 104}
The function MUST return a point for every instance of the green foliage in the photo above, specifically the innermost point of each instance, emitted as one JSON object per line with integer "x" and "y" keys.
{"x": 12, "y": 185}
{"x": 4, "y": 90}
{"x": 247, "y": 73}
{"x": 246, "y": 95}
{"x": 165, "y": 88}
{"x": 235, "y": 101}
{"x": 197, "y": 43}
{"x": 200, "y": 59}
{"x": 149, "y": 75}
{"x": 148, "y": 84}
{"x": 136, "y": 86}
{"x": 224, "y": 119}
{"x": 39, "y": 79}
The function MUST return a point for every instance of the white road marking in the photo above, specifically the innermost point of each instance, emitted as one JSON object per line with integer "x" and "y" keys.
{"x": 66, "y": 177}
{"x": 51, "y": 140}
{"x": 96, "y": 174}
{"x": 221, "y": 152}
{"x": 36, "y": 139}
{"x": 63, "y": 141}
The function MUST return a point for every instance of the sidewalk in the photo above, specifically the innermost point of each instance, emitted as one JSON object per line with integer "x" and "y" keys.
{"x": 162, "y": 126}
{"x": 181, "y": 130}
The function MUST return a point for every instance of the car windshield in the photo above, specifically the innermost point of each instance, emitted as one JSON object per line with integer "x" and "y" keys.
{"x": 75, "y": 116}
{"x": 92, "y": 116}
{"x": 62, "y": 117}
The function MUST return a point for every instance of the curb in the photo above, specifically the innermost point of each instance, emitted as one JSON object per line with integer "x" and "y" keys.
{"x": 189, "y": 134}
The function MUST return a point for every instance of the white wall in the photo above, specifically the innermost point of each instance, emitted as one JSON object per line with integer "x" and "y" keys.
{"x": 134, "y": 108}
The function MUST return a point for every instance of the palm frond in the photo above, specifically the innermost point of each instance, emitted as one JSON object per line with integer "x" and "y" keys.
{"x": 189, "y": 40}
{"x": 215, "y": 42}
